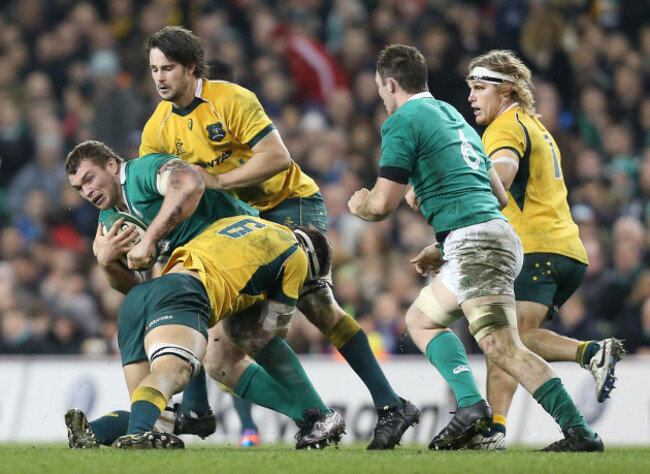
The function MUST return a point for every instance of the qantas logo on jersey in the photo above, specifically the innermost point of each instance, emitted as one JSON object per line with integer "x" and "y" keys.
{"x": 215, "y": 132}
{"x": 220, "y": 159}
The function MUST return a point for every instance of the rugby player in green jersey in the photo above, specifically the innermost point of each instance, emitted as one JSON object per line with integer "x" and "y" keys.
{"x": 215, "y": 247}
{"x": 428, "y": 145}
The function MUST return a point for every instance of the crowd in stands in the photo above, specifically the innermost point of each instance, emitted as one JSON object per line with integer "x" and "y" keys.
{"x": 71, "y": 71}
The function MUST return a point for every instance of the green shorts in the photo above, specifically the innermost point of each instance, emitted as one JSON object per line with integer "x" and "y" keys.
{"x": 549, "y": 279}
{"x": 294, "y": 212}
{"x": 171, "y": 299}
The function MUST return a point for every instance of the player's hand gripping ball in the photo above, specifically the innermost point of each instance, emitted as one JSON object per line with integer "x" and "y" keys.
{"x": 129, "y": 220}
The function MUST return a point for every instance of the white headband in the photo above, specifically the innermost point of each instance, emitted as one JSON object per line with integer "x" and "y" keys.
{"x": 484, "y": 74}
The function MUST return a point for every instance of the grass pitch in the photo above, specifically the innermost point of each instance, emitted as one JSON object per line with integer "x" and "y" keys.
{"x": 355, "y": 459}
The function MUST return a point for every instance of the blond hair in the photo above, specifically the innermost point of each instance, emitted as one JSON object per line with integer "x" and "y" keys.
{"x": 506, "y": 62}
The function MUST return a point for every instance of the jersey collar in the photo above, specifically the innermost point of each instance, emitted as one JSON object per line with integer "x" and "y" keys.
{"x": 421, "y": 95}
{"x": 122, "y": 183}
{"x": 123, "y": 173}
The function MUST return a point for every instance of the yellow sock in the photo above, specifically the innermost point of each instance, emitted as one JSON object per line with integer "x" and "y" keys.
{"x": 151, "y": 395}
{"x": 499, "y": 419}
{"x": 580, "y": 353}
{"x": 344, "y": 330}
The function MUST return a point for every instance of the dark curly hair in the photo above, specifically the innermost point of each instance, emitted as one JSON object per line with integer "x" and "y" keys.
{"x": 181, "y": 45}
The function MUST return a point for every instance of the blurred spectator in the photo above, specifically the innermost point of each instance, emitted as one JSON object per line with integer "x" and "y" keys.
{"x": 46, "y": 173}
{"x": 16, "y": 146}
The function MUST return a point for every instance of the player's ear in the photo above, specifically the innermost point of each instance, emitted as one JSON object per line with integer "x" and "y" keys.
{"x": 112, "y": 165}
{"x": 392, "y": 84}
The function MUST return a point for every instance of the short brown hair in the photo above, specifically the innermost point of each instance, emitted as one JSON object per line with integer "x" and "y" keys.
{"x": 506, "y": 62}
{"x": 181, "y": 45}
{"x": 91, "y": 150}
{"x": 406, "y": 65}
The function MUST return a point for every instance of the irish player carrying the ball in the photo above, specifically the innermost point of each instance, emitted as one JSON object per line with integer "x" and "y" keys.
{"x": 229, "y": 260}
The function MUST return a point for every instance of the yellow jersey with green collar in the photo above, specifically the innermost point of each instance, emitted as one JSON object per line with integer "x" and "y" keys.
{"x": 217, "y": 131}
{"x": 537, "y": 200}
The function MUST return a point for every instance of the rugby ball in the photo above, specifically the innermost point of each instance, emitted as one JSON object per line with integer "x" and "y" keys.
{"x": 129, "y": 220}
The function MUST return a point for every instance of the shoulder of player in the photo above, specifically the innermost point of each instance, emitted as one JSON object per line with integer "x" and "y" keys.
{"x": 214, "y": 91}
{"x": 402, "y": 117}
{"x": 163, "y": 109}
{"x": 148, "y": 163}
{"x": 513, "y": 120}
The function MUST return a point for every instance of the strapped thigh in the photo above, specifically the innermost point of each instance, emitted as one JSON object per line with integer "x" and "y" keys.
{"x": 164, "y": 349}
{"x": 486, "y": 318}
{"x": 428, "y": 304}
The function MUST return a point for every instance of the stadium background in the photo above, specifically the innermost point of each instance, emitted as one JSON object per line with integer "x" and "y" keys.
{"x": 72, "y": 70}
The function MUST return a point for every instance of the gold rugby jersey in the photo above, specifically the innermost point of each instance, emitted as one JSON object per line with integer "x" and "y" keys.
{"x": 242, "y": 260}
{"x": 537, "y": 200}
{"x": 217, "y": 131}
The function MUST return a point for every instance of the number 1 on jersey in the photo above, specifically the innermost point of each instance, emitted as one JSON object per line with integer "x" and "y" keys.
{"x": 556, "y": 163}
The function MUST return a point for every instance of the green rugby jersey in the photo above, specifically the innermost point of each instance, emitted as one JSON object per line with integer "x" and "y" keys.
{"x": 428, "y": 144}
{"x": 140, "y": 191}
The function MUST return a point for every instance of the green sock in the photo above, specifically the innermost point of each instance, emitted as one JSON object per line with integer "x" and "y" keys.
{"x": 111, "y": 426}
{"x": 258, "y": 387}
{"x": 243, "y": 408}
{"x": 281, "y": 363}
{"x": 358, "y": 354}
{"x": 590, "y": 351}
{"x": 447, "y": 354}
{"x": 195, "y": 395}
{"x": 143, "y": 417}
{"x": 557, "y": 402}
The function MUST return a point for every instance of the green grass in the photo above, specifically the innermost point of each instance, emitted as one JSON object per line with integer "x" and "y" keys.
{"x": 283, "y": 459}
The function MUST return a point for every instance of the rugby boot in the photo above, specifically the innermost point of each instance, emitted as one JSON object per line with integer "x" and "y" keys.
{"x": 392, "y": 422}
{"x": 149, "y": 440}
{"x": 572, "y": 442}
{"x": 487, "y": 442}
{"x": 602, "y": 365}
{"x": 467, "y": 422}
{"x": 202, "y": 426}
{"x": 80, "y": 434}
{"x": 318, "y": 431}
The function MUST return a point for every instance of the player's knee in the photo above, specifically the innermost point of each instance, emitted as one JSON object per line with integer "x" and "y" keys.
{"x": 222, "y": 356}
{"x": 318, "y": 305}
{"x": 175, "y": 371}
{"x": 215, "y": 369}
{"x": 182, "y": 377}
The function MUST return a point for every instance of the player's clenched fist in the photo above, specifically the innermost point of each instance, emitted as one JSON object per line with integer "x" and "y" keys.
{"x": 357, "y": 200}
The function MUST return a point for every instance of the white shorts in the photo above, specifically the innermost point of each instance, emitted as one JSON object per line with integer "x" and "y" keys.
{"x": 482, "y": 260}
